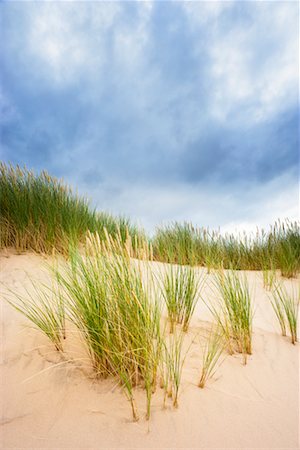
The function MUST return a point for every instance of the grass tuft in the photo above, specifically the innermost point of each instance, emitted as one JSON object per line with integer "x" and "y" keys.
{"x": 234, "y": 311}
{"x": 110, "y": 305}
{"x": 45, "y": 309}
{"x": 173, "y": 361}
{"x": 212, "y": 352}
{"x": 286, "y": 308}
{"x": 180, "y": 288}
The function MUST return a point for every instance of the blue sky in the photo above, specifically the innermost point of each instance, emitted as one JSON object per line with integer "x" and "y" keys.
{"x": 161, "y": 111}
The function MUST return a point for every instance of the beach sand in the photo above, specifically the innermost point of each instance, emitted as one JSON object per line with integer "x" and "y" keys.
{"x": 49, "y": 401}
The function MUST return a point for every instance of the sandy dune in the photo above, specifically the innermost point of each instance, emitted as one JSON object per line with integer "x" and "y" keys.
{"x": 50, "y": 403}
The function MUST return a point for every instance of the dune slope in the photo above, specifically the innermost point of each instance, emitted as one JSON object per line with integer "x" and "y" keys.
{"x": 49, "y": 402}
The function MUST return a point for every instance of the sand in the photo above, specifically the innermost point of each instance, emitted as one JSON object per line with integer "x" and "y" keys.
{"x": 49, "y": 403}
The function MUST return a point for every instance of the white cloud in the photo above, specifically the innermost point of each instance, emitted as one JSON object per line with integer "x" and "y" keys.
{"x": 253, "y": 67}
{"x": 230, "y": 76}
{"x": 260, "y": 91}
{"x": 66, "y": 40}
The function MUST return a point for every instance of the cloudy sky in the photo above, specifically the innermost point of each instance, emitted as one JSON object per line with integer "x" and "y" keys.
{"x": 161, "y": 111}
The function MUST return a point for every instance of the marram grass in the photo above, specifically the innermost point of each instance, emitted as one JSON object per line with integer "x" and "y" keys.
{"x": 45, "y": 309}
{"x": 279, "y": 248}
{"x": 110, "y": 305}
{"x": 286, "y": 308}
{"x": 109, "y": 299}
{"x": 172, "y": 366}
{"x": 212, "y": 352}
{"x": 180, "y": 289}
{"x": 103, "y": 292}
{"x": 41, "y": 213}
{"x": 233, "y": 312}
{"x": 269, "y": 278}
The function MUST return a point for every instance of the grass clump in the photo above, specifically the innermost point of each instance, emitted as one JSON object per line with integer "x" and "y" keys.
{"x": 234, "y": 315}
{"x": 286, "y": 242}
{"x": 212, "y": 352}
{"x": 268, "y": 270}
{"x": 41, "y": 213}
{"x": 176, "y": 244}
{"x": 277, "y": 305}
{"x": 173, "y": 361}
{"x": 269, "y": 278}
{"x": 180, "y": 290}
{"x": 110, "y": 305}
{"x": 286, "y": 308}
{"x": 45, "y": 309}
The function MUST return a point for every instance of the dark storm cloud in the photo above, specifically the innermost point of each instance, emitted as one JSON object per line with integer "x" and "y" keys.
{"x": 181, "y": 96}
{"x": 257, "y": 154}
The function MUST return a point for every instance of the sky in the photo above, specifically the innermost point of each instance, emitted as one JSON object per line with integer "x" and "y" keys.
{"x": 160, "y": 111}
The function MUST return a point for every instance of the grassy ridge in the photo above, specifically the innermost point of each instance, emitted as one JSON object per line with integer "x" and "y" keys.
{"x": 40, "y": 213}
{"x": 185, "y": 244}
